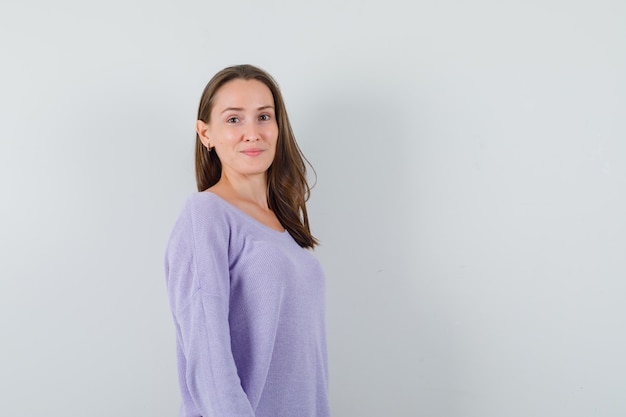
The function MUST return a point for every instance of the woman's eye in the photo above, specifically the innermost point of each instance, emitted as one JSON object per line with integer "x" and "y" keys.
{"x": 264, "y": 117}
{"x": 233, "y": 120}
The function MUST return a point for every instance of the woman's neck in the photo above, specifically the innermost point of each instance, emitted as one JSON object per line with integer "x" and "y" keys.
{"x": 248, "y": 189}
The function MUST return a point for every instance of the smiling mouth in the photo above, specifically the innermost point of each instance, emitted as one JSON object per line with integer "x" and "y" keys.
{"x": 252, "y": 152}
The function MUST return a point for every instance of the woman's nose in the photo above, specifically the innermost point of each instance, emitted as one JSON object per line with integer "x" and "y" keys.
{"x": 251, "y": 134}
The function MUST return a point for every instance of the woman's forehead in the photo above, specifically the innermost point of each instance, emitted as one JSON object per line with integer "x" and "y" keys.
{"x": 240, "y": 93}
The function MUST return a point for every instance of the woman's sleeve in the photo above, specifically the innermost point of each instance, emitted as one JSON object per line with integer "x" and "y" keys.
{"x": 198, "y": 282}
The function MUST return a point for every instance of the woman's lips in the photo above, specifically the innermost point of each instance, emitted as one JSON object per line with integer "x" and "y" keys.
{"x": 252, "y": 152}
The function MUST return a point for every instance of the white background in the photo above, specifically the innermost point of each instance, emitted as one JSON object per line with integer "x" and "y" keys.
{"x": 471, "y": 197}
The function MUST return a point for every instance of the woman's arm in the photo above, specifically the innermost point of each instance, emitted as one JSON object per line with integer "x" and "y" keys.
{"x": 199, "y": 289}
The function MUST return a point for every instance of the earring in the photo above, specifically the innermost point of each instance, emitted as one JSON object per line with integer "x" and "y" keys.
{"x": 208, "y": 147}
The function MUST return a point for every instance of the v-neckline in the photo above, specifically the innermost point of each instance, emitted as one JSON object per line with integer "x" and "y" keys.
{"x": 244, "y": 214}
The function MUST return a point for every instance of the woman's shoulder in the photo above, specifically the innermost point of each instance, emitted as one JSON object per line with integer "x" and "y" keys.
{"x": 201, "y": 199}
{"x": 202, "y": 222}
{"x": 204, "y": 203}
{"x": 207, "y": 211}
{"x": 202, "y": 210}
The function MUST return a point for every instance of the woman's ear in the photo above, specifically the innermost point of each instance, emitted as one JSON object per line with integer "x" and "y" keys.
{"x": 202, "y": 129}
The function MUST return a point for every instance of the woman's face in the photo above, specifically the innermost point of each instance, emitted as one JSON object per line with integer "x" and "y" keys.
{"x": 243, "y": 127}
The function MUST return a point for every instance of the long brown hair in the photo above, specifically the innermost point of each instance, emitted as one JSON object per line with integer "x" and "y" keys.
{"x": 287, "y": 186}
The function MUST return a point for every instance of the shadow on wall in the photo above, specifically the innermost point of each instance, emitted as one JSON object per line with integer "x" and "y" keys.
{"x": 365, "y": 148}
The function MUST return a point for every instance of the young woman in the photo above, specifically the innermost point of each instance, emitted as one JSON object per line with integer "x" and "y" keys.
{"x": 246, "y": 293}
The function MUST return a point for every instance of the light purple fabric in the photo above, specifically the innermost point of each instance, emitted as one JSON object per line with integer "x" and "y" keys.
{"x": 248, "y": 306}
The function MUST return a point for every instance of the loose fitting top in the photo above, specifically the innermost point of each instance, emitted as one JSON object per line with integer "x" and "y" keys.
{"x": 248, "y": 307}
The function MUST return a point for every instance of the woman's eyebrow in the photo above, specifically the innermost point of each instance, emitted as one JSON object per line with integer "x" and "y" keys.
{"x": 242, "y": 109}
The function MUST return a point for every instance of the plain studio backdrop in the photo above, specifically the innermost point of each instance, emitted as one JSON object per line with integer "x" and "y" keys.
{"x": 470, "y": 197}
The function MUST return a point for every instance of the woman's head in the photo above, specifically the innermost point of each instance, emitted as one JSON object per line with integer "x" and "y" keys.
{"x": 243, "y": 130}
{"x": 208, "y": 164}
{"x": 287, "y": 186}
